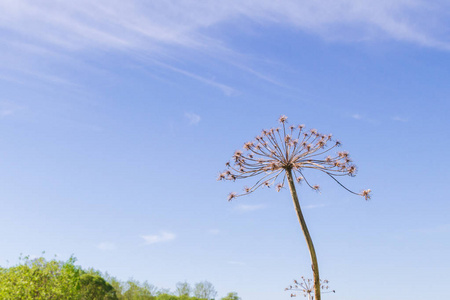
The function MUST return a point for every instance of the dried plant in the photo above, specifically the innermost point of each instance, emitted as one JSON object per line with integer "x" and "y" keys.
{"x": 284, "y": 153}
{"x": 306, "y": 287}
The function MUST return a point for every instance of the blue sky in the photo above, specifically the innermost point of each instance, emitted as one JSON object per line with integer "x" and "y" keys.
{"x": 116, "y": 118}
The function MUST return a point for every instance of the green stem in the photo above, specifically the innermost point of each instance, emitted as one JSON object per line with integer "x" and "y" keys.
{"x": 301, "y": 219}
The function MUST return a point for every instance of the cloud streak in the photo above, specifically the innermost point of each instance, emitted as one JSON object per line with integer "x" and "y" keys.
{"x": 236, "y": 263}
{"x": 123, "y": 25}
{"x": 8, "y": 109}
{"x": 439, "y": 229}
{"x": 106, "y": 246}
{"x": 227, "y": 90}
{"x": 360, "y": 117}
{"x": 166, "y": 31}
{"x": 312, "y": 206}
{"x": 192, "y": 118}
{"x": 357, "y": 116}
{"x": 214, "y": 231}
{"x": 163, "y": 236}
{"x": 399, "y": 119}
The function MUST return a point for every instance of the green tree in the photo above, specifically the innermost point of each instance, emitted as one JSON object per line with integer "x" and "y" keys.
{"x": 231, "y": 296}
{"x": 205, "y": 290}
{"x": 183, "y": 289}
{"x": 137, "y": 291}
{"x": 166, "y": 297}
{"x": 116, "y": 284}
{"x": 41, "y": 279}
{"x": 93, "y": 286}
{"x": 282, "y": 153}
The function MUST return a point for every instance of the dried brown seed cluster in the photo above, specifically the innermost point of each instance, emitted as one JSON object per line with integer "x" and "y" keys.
{"x": 306, "y": 287}
{"x": 288, "y": 148}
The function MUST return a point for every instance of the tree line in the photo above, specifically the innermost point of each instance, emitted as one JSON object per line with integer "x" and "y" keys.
{"x": 41, "y": 279}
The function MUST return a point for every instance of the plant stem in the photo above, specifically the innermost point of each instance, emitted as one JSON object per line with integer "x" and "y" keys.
{"x": 301, "y": 219}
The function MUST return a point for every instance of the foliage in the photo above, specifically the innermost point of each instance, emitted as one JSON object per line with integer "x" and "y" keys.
{"x": 39, "y": 279}
{"x": 205, "y": 290}
{"x": 42, "y": 279}
{"x": 183, "y": 289}
{"x": 134, "y": 291}
{"x": 231, "y": 296}
{"x": 93, "y": 286}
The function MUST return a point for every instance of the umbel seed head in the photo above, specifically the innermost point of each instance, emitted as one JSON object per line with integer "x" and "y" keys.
{"x": 306, "y": 287}
{"x": 288, "y": 149}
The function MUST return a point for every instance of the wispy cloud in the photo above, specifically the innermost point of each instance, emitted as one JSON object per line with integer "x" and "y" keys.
{"x": 227, "y": 90}
{"x": 163, "y": 30}
{"x": 8, "y": 108}
{"x": 214, "y": 231}
{"x": 106, "y": 246}
{"x": 163, "y": 236}
{"x": 357, "y": 116}
{"x": 123, "y": 25}
{"x": 6, "y": 112}
{"x": 238, "y": 263}
{"x": 312, "y": 206}
{"x": 193, "y": 119}
{"x": 399, "y": 119}
{"x": 249, "y": 207}
{"x": 364, "y": 118}
{"x": 443, "y": 228}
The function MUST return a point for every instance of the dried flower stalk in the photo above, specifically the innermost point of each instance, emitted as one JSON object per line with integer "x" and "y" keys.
{"x": 284, "y": 153}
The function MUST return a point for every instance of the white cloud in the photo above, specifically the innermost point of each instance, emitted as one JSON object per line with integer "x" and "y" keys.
{"x": 7, "y": 109}
{"x": 163, "y": 236}
{"x": 227, "y": 90}
{"x": 233, "y": 262}
{"x": 357, "y": 116}
{"x": 106, "y": 246}
{"x": 439, "y": 229}
{"x": 364, "y": 118}
{"x": 166, "y": 30}
{"x": 249, "y": 207}
{"x": 84, "y": 24}
{"x": 399, "y": 119}
{"x": 312, "y": 206}
{"x": 6, "y": 112}
{"x": 214, "y": 231}
{"x": 192, "y": 118}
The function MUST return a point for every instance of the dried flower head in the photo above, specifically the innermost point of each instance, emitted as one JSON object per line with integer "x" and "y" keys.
{"x": 231, "y": 196}
{"x": 306, "y": 287}
{"x": 282, "y": 119}
{"x": 366, "y": 194}
{"x": 289, "y": 148}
